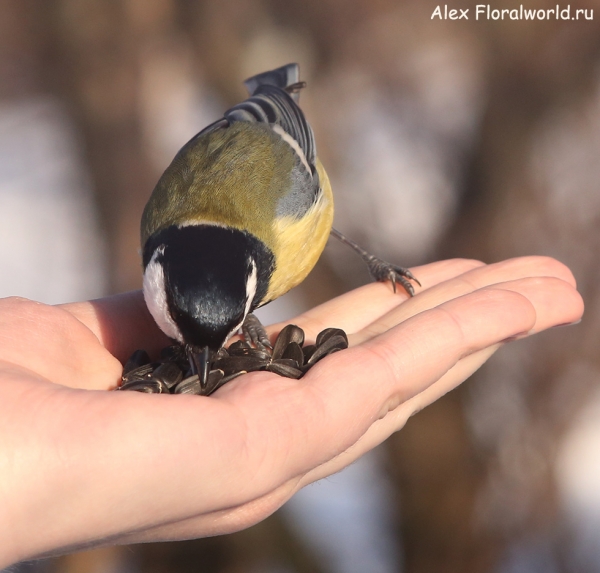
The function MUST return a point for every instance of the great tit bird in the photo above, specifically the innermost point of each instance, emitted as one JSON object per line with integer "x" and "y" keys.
{"x": 238, "y": 218}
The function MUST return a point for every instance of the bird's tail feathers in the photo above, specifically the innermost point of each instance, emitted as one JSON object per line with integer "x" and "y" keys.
{"x": 286, "y": 77}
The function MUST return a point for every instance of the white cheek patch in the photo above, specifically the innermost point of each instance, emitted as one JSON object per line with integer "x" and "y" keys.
{"x": 156, "y": 297}
{"x": 251, "y": 283}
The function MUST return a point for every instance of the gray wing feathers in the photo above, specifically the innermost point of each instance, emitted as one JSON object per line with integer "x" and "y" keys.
{"x": 271, "y": 104}
{"x": 301, "y": 195}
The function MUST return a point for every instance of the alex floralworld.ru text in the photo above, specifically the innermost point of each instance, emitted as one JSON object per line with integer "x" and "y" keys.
{"x": 486, "y": 12}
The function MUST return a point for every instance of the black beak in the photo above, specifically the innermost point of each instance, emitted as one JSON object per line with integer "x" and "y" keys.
{"x": 200, "y": 363}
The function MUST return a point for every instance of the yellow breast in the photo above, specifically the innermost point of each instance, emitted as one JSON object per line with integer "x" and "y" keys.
{"x": 298, "y": 243}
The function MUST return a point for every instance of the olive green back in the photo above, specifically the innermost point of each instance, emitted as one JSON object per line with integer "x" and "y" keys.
{"x": 222, "y": 177}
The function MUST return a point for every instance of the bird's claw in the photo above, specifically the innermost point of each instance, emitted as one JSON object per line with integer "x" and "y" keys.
{"x": 254, "y": 332}
{"x": 383, "y": 271}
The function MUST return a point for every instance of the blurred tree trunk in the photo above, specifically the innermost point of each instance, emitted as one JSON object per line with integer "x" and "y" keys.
{"x": 441, "y": 474}
{"x": 92, "y": 60}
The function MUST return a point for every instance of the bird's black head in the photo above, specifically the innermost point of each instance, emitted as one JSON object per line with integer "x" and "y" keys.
{"x": 200, "y": 281}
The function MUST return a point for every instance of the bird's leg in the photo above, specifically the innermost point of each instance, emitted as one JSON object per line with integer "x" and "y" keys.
{"x": 381, "y": 270}
{"x": 255, "y": 333}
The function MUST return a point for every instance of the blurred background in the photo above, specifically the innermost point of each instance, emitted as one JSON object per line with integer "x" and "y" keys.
{"x": 442, "y": 139}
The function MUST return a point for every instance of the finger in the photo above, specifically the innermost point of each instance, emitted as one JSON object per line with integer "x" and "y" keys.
{"x": 417, "y": 352}
{"x": 355, "y": 309}
{"x": 479, "y": 277}
{"x": 220, "y": 522}
{"x": 121, "y": 322}
{"x": 54, "y": 345}
{"x": 556, "y": 301}
{"x": 544, "y": 294}
{"x": 397, "y": 418}
{"x": 412, "y": 356}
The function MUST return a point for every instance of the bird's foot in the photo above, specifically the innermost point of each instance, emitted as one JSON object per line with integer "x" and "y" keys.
{"x": 255, "y": 333}
{"x": 383, "y": 271}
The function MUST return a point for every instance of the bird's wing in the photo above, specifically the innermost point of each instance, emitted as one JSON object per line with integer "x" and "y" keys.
{"x": 274, "y": 106}
{"x": 273, "y": 103}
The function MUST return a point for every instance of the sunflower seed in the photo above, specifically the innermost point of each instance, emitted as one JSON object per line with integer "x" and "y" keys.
{"x": 213, "y": 382}
{"x": 294, "y": 351}
{"x": 140, "y": 373}
{"x": 137, "y": 359}
{"x": 248, "y": 351}
{"x": 238, "y": 363}
{"x": 237, "y": 347}
{"x": 287, "y": 362}
{"x": 221, "y": 353}
{"x": 169, "y": 373}
{"x": 285, "y": 369}
{"x": 147, "y": 386}
{"x": 173, "y": 373}
{"x": 190, "y": 385}
{"x": 332, "y": 344}
{"x": 291, "y": 333}
{"x": 308, "y": 351}
{"x": 326, "y": 334}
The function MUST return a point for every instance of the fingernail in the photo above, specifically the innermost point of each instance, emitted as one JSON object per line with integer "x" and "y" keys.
{"x": 568, "y": 324}
{"x": 515, "y": 337}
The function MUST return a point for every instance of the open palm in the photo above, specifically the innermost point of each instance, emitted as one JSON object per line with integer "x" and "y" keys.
{"x": 92, "y": 467}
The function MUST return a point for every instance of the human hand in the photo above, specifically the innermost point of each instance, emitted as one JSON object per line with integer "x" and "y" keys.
{"x": 90, "y": 467}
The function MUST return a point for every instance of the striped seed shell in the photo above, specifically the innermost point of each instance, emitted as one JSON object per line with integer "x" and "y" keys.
{"x": 140, "y": 373}
{"x": 326, "y": 334}
{"x": 239, "y": 363}
{"x": 290, "y": 333}
{"x": 294, "y": 352}
{"x": 285, "y": 368}
{"x": 190, "y": 385}
{"x": 137, "y": 359}
{"x": 169, "y": 373}
{"x": 147, "y": 386}
{"x": 332, "y": 344}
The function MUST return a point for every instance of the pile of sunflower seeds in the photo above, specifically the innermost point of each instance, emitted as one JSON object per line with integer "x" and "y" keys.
{"x": 173, "y": 374}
